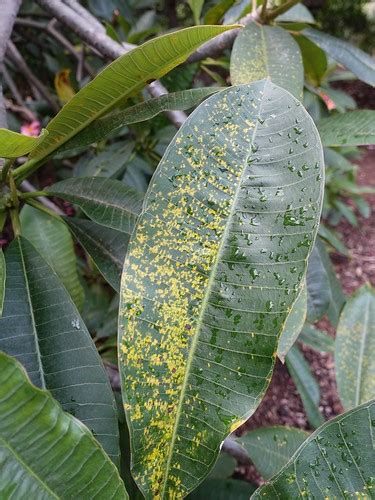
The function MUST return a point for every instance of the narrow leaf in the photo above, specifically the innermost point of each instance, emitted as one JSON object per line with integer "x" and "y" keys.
{"x": 318, "y": 287}
{"x": 354, "y": 59}
{"x": 314, "y": 60}
{"x": 13, "y": 144}
{"x": 107, "y": 247}
{"x": 306, "y": 384}
{"x": 356, "y": 128}
{"x": 270, "y": 448}
{"x": 316, "y": 339}
{"x": 53, "y": 241}
{"x": 355, "y": 349}
{"x": 45, "y": 452}
{"x": 293, "y": 325}
{"x": 105, "y": 201}
{"x": 336, "y": 461}
{"x": 196, "y": 7}
{"x": 3, "y": 272}
{"x": 264, "y": 52}
{"x": 146, "y": 110}
{"x": 207, "y": 284}
{"x": 42, "y": 328}
{"x": 333, "y": 239}
{"x": 120, "y": 79}
{"x": 217, "y": 11}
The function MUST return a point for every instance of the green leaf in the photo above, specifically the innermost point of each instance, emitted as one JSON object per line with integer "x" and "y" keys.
{"x": 318, "y": 287}
{"x": 356, "y": 128}
{"x": 53, "y": 241}
{"x": 314, "y": 60}
{"x": 196, "y": 7}
{"x": 119, "y": 80}
{"x": 354, "y": 59}
{"x": 46, "y": 453}
{"x": 106, "y": 247}
{"x": 105, "y": 201}
{"x": 13, "y": 144}
{"x": 337, "y": 297}
{"x": 336, "y": 461}
{"x": 264, "y": 52}
{"x": 346, "y": 211}
{"x": 306, "y": 384}
{"x": 293, "y": 325}
{"x": 222, "y": 489}
{"x": 270, "y": 448}
{"x": 3, "y": 273}
{"x": 111, "y": 162}
{"x": 42, "y": 328}
{"x": 207, "y": 286}
{"x": 333, "y": 239}
{"x": 297, "y": 14}
{"x": 355, "y": 349}
{"x": 107, "y": 125}
{"x": 316, "y": 339}
{"x": 217, "y": 11}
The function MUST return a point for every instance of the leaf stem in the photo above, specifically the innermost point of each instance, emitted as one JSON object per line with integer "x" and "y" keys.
{"x": 33, "y": 194}
{"x": 25, "y": 170}
{"x": 272, "y": 14}
{"x": 15, "y": 219}
{"x": 264, "y": 9}
{"x": 42, "y": 208}
{"x": 6, "y": 168}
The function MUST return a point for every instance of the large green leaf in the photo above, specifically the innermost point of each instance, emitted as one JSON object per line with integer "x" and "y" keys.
{"x": 44, "y": 452}
{"x": 356, "y": 128}
{"x": 293, "y": 325}
{"x": 336, "y": 461}
{"x": 106, "y": 247}
{"x": 270, "y": 448}
{"x": 119, "y": 80}
{"x": 3, "y": 272}
{"x": 13, "y": 144}
{"x": 319, "y": 295}
{"x": 214, "y": 266}
{"x": 306, "y": 384}
{"x": 42, "y": 328}
{"x": 357, "y": 61}
{"x": 355, "y": 349}
{"x": 265, "y": 52}
{"x": 102, "y": 127}
{"x": 105, "y": 201}
{"x": 53, "y": 241}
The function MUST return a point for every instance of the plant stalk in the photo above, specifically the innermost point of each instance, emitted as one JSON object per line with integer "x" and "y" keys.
{"x": 272, "y": 14}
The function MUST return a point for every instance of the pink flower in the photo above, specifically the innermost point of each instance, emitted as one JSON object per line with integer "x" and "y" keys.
{"x": 31, "y": 129}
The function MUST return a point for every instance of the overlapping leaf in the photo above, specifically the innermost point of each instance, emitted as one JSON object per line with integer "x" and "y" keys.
{"x": 316, "y": 339}
{"x": 264, "y": 52}
{"x": 319, "y": 295}
{"x": 101, "y": 128}
{"x": 13, "y": 144}
{"x": 355, "y": 349}
{"x": 3, "y": 273}
{"x": 337, "y": 461}
{"x": 357, "y": 61}
{"x": 53, "y": 241}
{"x": 42, "y": 328}
{"x": 105, "y": 201}
{"x": 119, "y": 80}
{"x": 356, "y": 128}
{"x": 293, "y": 325}
{"x": 46, "y": 453}
{"x": 215, "y": 264}
{"x": 270, "y": 448}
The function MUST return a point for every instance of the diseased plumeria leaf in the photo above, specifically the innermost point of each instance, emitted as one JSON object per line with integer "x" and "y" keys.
{"x": 3, "y": 273}
{"x": 336, "y": 461}
{"x": 297, "y": 14}
{"x": 53, "y": 241}
{"x": 146, "y": 110}
{"x": 293, "y": 325}
{"x": 270, "y": 448}
{"x": 126, "y": 75}
{"x": 319, "y": 295}
{"x": 354, "y": 59}
{"x": 307, "y": 386}
{"x": 264, "y": 52}
{"x": 106, "y": 247}
{"x": 355, "y": 349}
{"x": 316, "y": 339}
{"x": 105, "y": 201}
{"x": 314, "y": 60}
{"x": 356, "y": 128}
{"x": 46, "y": 453}
{"x": 13, "y": 144}
{"x": 42, "y": 328}
{"x": 214, "y": 266}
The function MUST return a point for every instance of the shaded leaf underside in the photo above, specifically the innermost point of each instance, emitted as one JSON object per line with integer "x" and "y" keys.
{"x": 214, "y": 265}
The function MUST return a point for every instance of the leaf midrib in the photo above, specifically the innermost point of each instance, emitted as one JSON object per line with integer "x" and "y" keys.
{"x": 204, "y": 304}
